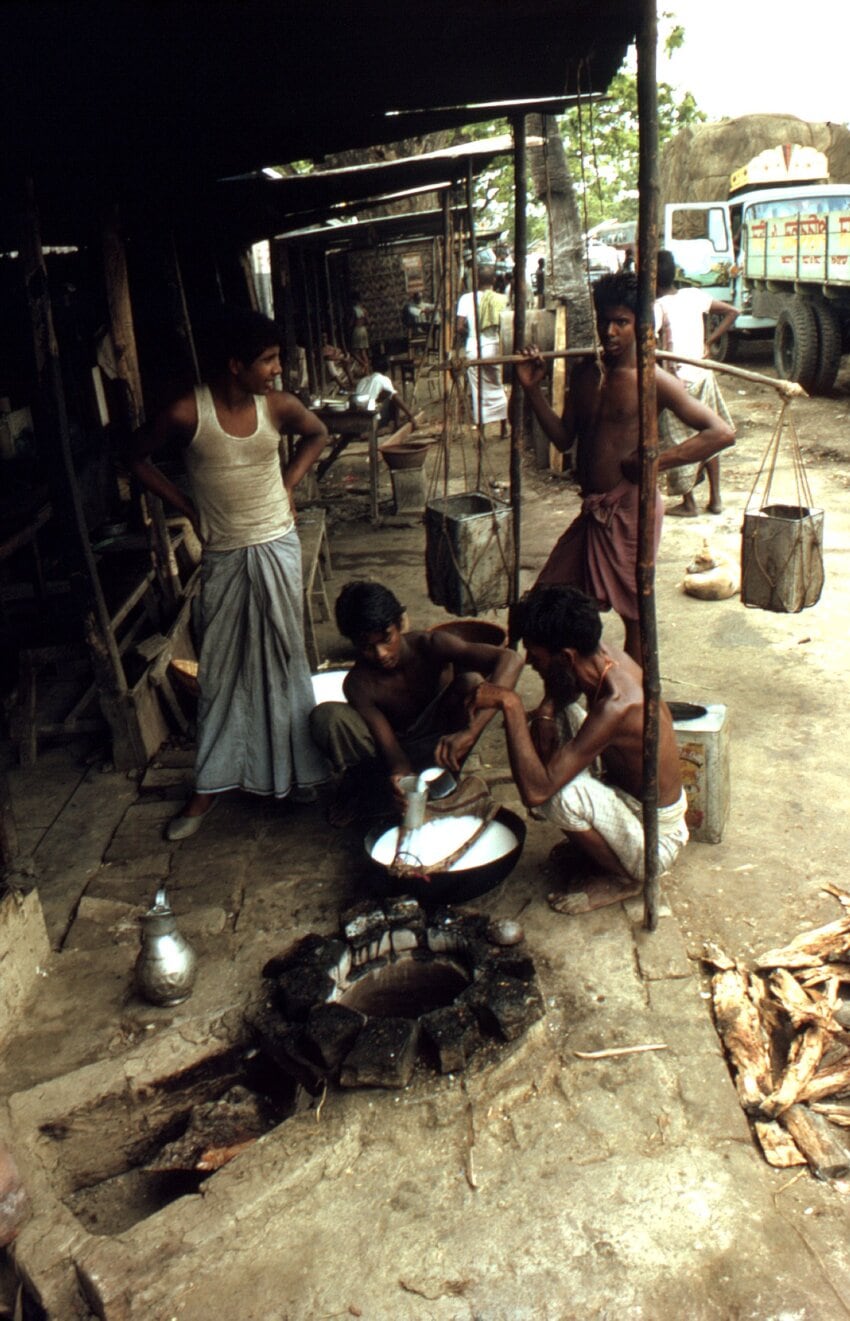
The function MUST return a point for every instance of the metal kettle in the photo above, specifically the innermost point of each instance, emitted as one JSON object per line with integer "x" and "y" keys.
{"x": 166, "y": 966}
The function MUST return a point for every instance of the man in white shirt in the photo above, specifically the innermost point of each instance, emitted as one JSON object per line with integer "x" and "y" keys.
{"x": 377, "y": 391}
{"x": 681, "y": 315}
{"x": 493, "y": 404}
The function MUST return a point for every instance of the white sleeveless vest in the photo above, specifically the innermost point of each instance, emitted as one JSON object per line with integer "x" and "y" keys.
{"x": 237, "y": 481}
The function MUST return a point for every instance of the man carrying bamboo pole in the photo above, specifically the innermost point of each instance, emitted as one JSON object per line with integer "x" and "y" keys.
{"x": 554, "y": 750}
{"x": 598, "y": 551}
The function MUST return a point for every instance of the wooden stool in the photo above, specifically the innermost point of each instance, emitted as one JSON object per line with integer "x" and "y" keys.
{"x": 316, "y": 568}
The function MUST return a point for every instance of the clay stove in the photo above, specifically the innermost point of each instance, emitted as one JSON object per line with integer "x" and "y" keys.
{"x": 399, "y": 985}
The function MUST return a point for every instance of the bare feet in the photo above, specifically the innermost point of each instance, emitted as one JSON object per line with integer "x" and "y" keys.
{"x": 714, "y": 506}
{"x": 586, "y": 893}
{"x": 687, "y": 509}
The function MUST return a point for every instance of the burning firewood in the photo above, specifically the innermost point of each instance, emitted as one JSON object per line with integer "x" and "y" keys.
{"x": 217, "y": 1131}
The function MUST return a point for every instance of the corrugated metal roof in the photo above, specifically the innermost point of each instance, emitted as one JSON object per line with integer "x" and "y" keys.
{"x": 102, "y": 97}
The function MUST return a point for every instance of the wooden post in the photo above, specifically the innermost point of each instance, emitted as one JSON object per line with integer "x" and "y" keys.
{"x": 127, "y": 744}
{"x": 557, "y": 460}
{"x": 476, "y": 324}
{"x": 185, "y": 323}
{"x": 448, "y": 330}
{"x": 648, "y": 250}
{"x": 285, "y": 310}
{"x": 127, "y": 366}
{"x": 518, "y": 429}
{"x": 247, "y": 269}
{"x": 9, "y": 844}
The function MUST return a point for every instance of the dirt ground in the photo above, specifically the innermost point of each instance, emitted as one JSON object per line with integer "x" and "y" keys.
{"x": 597, "y": 1190}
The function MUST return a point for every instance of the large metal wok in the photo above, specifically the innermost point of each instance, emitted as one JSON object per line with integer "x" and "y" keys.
{"x": 491, "y": 858}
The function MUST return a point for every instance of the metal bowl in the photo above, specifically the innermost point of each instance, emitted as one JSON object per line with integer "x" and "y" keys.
{"x": 474, "y": 630}
{"x": 450, "y": 887}
{"x": 686, "y": 711}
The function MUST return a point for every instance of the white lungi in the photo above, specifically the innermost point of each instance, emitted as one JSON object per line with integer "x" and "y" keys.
{"x": 588, "y": 804}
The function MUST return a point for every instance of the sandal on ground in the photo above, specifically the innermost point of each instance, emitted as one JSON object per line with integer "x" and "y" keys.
{"x": 183, "y": 827}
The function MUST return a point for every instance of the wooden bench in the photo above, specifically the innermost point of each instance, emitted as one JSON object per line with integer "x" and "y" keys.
{"x": 316, "y": 568}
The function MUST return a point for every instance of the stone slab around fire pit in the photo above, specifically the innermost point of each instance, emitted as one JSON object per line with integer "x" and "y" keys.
{"x": 397, "y": 985}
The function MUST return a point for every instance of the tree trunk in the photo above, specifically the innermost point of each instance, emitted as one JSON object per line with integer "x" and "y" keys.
{"x": 553, "y": 186}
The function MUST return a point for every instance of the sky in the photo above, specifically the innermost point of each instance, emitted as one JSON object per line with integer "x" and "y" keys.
{"x": 744, "y": 57}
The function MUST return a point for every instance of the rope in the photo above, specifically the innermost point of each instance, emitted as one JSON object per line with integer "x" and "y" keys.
{"x": 804, "y": 526}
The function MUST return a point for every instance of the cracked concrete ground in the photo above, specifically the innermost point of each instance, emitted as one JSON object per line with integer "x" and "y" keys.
{"x": 539, "y": 1184}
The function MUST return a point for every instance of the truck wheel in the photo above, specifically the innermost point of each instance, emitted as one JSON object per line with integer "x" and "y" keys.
{"x": 795, "y": 343}
{"x": 829, "y": 348}
{"x": 724, "y": 349}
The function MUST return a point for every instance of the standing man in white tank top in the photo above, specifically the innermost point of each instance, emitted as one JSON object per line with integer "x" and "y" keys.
{"x": 256, "y": 693}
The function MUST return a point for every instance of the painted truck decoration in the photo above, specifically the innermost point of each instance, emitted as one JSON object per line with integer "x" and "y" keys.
{"x": 779, "y": 250}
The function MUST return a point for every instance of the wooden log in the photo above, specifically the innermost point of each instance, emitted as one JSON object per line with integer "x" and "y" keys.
{"x": 804, "y": 1056}
{"x": 716, "y": 957}
{"x": 836, "y": 1113}
{"x": 834, "y": 1081}
{"x": 826, "y": 1154}
{"x": 778, "y": 1147}
{"x": 811, "y": 948}
{"x": 740, "y": 1029}
{"x": 801, "y": 1008}
{"x": 824, "y": 972}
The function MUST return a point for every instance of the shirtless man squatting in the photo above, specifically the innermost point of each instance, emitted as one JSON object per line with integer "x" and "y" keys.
{"x": 553, "y": 752}
{"x": 406, "y": 700}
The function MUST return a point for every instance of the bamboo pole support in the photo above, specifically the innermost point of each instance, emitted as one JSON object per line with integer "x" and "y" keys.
{"x": 648, "y": 443}
{"x": 127, "y": 366}
{"x": 518, "y": 430}
{"x": 127, "y": 743}
{"x": 9, "y": 839}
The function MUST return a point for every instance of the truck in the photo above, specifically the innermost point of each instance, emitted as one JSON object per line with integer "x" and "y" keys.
{"x": 778, "y": 249}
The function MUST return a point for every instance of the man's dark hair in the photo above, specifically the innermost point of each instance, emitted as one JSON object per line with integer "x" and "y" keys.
{"x": 618, "y": 289}
{"x": 363, "y": 607}
{"x": 558, "y": 617}
{"x": 665, "y": 270}
{"x": 239, "y": 333}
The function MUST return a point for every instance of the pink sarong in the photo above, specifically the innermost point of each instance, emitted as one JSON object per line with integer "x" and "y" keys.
{"x": 598, "y": 552}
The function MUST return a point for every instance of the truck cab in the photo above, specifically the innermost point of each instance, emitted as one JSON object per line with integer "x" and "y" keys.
{"x": 781, "y": 255}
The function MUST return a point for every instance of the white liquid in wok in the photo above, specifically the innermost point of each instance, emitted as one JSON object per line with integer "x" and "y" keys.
{"x": 430, "y": 844}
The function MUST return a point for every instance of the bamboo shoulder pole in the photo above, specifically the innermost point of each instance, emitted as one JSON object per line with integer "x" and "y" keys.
{"x": 788, "y": 389}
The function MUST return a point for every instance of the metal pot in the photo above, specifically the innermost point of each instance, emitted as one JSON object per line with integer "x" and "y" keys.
{"x": 166, "y": 966}
{"x": 459, "y": 884}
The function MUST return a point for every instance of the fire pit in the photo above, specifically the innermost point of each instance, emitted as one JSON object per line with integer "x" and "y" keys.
{"x": 397, "y": 985}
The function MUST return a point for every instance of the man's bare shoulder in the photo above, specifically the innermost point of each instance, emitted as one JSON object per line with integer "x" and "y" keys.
{"x": 361, "y": 684}
{"x": 289, "y": 413}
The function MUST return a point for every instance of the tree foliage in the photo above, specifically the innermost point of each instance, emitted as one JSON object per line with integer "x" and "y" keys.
{"x": 601, "y": 141}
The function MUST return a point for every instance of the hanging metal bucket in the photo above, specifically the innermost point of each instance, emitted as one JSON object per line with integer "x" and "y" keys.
{"x": 782, "y": 558}
{"x": 469, "y": 552}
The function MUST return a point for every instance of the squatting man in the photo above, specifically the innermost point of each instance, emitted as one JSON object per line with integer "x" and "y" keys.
{"x": 554, "y": 752}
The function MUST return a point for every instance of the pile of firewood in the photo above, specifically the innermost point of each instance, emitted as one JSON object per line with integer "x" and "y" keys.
{"x": 785, "y": 1030}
